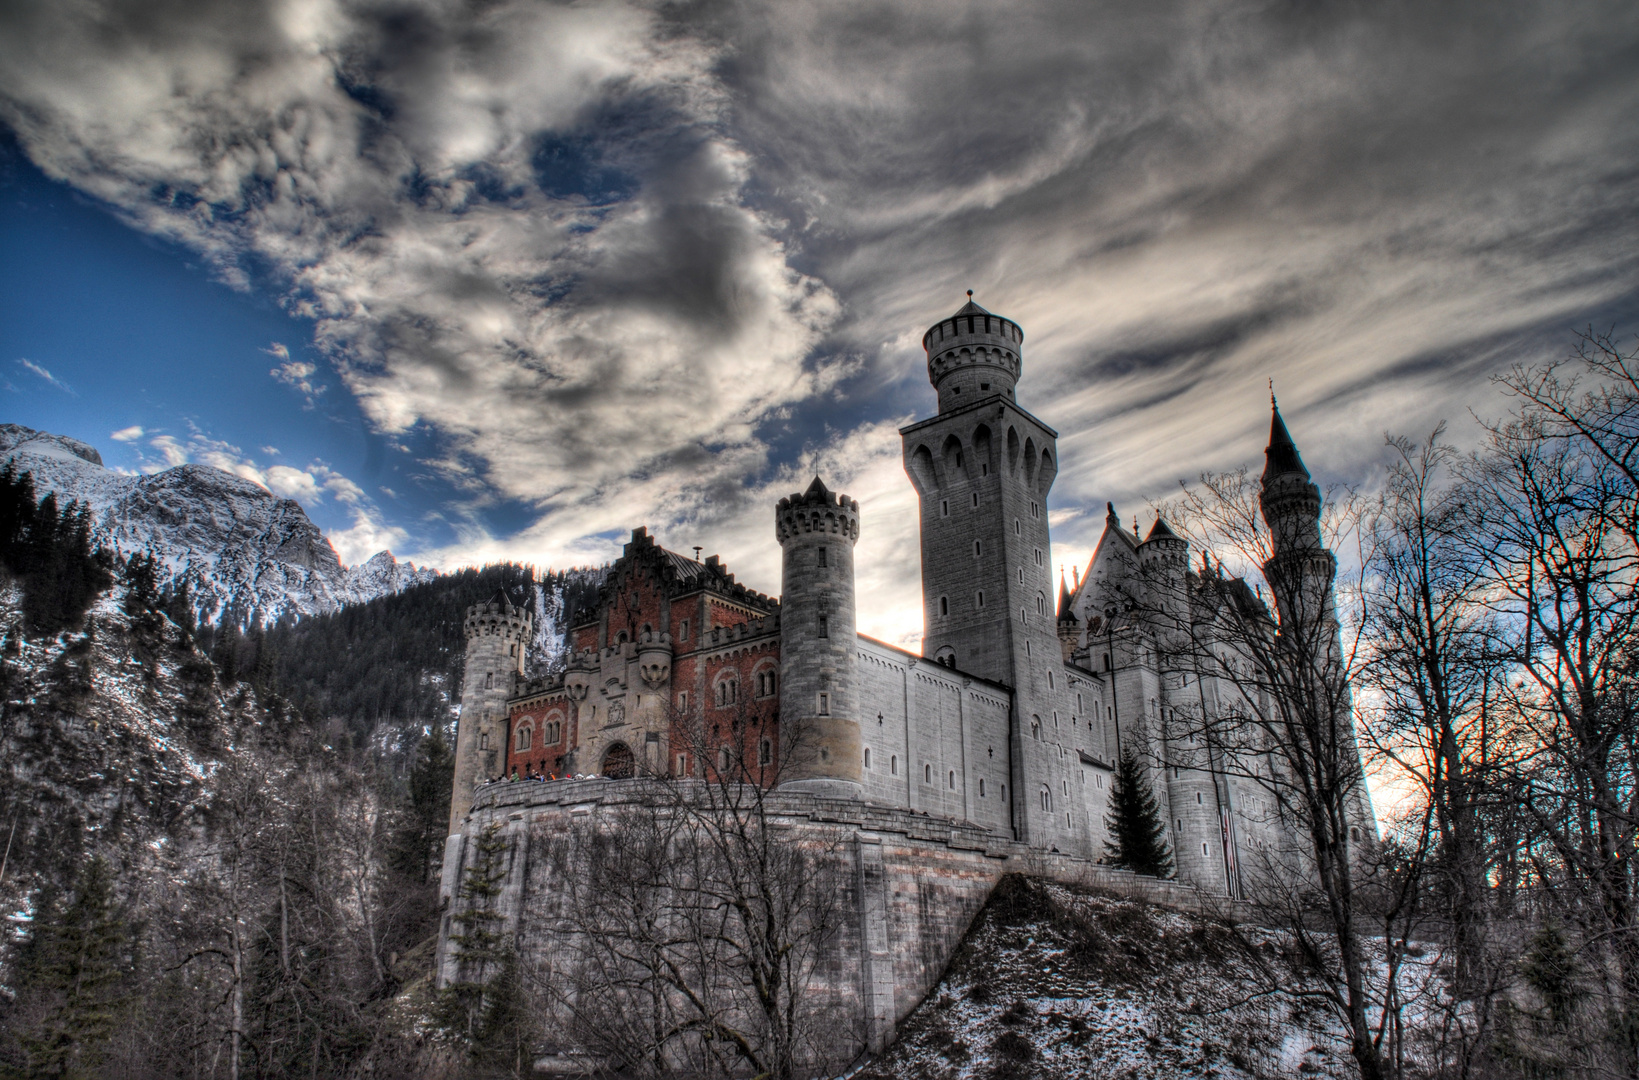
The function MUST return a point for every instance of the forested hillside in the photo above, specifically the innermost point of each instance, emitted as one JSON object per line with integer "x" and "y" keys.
{"x": 395, "y": 660}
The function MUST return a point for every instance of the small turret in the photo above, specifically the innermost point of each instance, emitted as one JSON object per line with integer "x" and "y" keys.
{"x": 819, "y": 720}
{"x": 1300, "y": 568}
{"x": 1069, "y": 626}
{"x": 973, "y": 355}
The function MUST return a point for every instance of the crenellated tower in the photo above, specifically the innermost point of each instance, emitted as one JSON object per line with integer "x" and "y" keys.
{"x": 498, "y": 634}
{"x": 819, "y": 707}
{"x": 982, "y": 469}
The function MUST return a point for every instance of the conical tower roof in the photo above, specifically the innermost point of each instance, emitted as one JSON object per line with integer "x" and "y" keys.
{"x": 1064, "y": 601}
{"x": 1281, "y": 458}
{"x": 1160, "y": 531}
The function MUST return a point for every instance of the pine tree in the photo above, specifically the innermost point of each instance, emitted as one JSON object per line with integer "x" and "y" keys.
{"x": 479, "y": 947}
{"x": 427, "y": 817}
{"x": 78, "y": 960}
{"x": 1138, "y": 835}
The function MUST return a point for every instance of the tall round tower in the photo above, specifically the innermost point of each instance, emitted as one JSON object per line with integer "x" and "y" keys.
{"x": 497, "y": 639}
{"x": 819, "y": 722}
{"x": 973, "y": 355}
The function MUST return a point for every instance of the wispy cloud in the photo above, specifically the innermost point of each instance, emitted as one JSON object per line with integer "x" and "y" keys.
{"x": 127, "y": 435}
{"x": 50, "y": 379}
{"x": 633, "y": 263}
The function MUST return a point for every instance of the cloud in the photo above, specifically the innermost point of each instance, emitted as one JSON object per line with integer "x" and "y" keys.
{"x": 50, "y": 379}
{"x": 628, "y": 263}
{"x": 127, "y": 435}
{"x": 296, "y": 374}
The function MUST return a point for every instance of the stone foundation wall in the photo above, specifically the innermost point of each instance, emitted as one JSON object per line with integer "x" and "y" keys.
{"x": 909, "y": 885}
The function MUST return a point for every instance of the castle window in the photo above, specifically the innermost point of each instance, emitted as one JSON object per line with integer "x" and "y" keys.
{"x": 984, "y": 466}
{"x": 927, "y": 774}
{"x": 765, "y": 752}
{"x": 512, "y": 650}
{"x": 682, "y": 764}
{"x": 1354, "y": 832}
{"x": 1004, "y": 799}
{"x": 1035, "y": 728}
{"x": 893, "y": 765}
{"x": 944, "y": 605}
{"x": 1021, "y": 575}
{"x": 953, "y": 779}
{"x": 981, "y": 787}
{"x": 1047, "y": 798}
{"x": 1180, "y": 824}
{"x": 1055, "y": 719}
{"x": 1203, "y": 847}
{"x": 1197, "y": 798}
{"x": 551, "y": 733}
{"x": 727, "y": 691}
{"x": 489, "y": 680}
{"x": 682, "y": 701}
{"x": 766, "y": 682}
{"x": 978, "y": 549}
{"x": 1038, "y": 556}
{"x": 958, "y": 459}
{"x": 1065, "y": 784}
{"x": 683, "y": 631}
{"x": 1018, "y": 530}
{"x": 483, "y": 740}
{"x": 1035, "y": 510}
{"x": 723, "y": 760}
{"x": 824, "y": 704}
{"x": 825, "y": 626}
{"x": 1050, "y": 684}
{"x": 944, "y": 508}
{"x": 822, "y": 557}
{"x": 620, "y": 638}
{"x": 1079, "y": 706}
{"x": 975, "y": 500}
{"x": 867, "y": 757}
{"x": 984, "y": 386}
{"x": 1041, "y": 604}
{"x": 981, "y": 598}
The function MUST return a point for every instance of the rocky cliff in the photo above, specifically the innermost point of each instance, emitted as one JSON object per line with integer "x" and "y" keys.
{"x": 245, "y": 554}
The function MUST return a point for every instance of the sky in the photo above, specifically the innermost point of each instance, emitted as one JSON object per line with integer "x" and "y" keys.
{"x": 475, "y": 281}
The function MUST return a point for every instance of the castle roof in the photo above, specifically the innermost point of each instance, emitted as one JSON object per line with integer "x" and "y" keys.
{"x": 1160, "y": 531}
{"x": 1281, "y": 458}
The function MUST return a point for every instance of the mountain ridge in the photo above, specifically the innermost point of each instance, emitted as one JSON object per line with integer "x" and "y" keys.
{"x": 245, "y": 554}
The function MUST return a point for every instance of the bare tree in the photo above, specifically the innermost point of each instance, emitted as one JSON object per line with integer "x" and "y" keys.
{"x": 700, "y": 918}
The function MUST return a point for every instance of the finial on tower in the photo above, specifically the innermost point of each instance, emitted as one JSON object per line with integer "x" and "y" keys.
{"x": 1273, "y": 404}
{"x": 970, "y": 294}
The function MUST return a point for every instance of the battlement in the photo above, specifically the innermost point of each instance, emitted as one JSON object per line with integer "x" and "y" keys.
{"x": 816, "y": 510}
{"x": 973, "y": 354}
{"x": 497, "y": 615}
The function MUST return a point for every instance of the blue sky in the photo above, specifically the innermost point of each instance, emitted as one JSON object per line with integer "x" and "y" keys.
{"x": 503, "y": 281}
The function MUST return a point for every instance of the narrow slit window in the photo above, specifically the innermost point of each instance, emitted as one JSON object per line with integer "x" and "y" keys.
{"x": 824, "y": 704}
{"x": 822, "y": 561}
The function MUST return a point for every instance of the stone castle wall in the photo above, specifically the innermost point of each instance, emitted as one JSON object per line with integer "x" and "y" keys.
{"x": 909, "y": 883}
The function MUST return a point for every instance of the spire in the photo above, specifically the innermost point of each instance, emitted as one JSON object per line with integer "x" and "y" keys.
{"x": 1281, "y": 458}
{"x": 500, "y": 597}
{"x": 1064, "y": 599}
{"x": 1160, "y": 531}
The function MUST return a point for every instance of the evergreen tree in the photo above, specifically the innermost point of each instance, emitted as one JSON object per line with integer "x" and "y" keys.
{"x": 77, "y": 960}
{"x": 426, "y": 819}
{"x": 463, "y": 1006}
{"x": 1138, "y": 835}
{"x": 50, "y": 551}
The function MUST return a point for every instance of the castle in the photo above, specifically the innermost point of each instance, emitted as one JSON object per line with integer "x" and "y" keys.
{"x": 1007, "y": 726}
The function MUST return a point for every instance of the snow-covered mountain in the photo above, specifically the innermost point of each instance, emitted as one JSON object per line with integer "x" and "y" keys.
{"x": 244, "y": 553}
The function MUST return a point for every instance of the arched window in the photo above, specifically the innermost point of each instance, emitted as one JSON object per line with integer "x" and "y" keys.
{"x": 981, "y": 787}
{"x": 927, "y": 774}
{"x": 1046, "y": 798}
{"x": 1035, "y": 728}
{"x": 893, "y": 765}
{"x": 1041, "y": 604}
{"x": 978, "y": 548}
{"x": 767, "y": 682}
{"x": 765, "y": 753}
{"x": 952, "y": 780}
{"x": 525, "y": 735}
{"x": 867, "y": 757}
{"x": 728, "y": 690}
{"x": 944, "y": 605}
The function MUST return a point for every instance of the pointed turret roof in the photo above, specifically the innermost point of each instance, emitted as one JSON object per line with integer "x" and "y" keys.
{"x": 1281, "y": 458}
{"x": 500, "y": 597}
{"x": 1065, "y": 603}
{"x": 1160, "y": 531}
{"x": 817, "y": 488}
{"x": 970, "y": 308}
